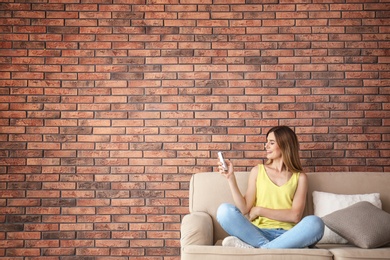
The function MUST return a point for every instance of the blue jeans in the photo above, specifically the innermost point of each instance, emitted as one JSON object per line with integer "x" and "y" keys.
{"x": 304, "y": 234}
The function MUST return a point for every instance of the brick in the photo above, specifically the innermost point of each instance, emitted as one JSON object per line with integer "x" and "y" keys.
{"x": 42, "y": 244}
{"x": 80, "y": 194}
{"x": 112, "y": 227}
{"x": 92, "y": 251}
{"x": 112, "y": 243}
{"x": 127, "y": 251}
{"x": 73, "y": 243}
{"x": 145, "y": 243}
{"x": 93, "y": 234}
{"x": 41, "y": 227}
{"x": 57, "y": 251}
{"x": 95, "y": 202}
{"x": 92, "y": 170}
{"x": 76, "y": 227}
{"x": 26, "y": 252}
{"x": 23, "y": 202}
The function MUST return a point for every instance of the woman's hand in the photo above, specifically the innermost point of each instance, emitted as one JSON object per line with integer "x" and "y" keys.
{"x": 254, "y": 213}
{"x": 229, "y": 173}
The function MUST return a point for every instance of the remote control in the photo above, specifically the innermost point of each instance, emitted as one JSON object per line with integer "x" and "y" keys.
{"x": 222, "y": 160}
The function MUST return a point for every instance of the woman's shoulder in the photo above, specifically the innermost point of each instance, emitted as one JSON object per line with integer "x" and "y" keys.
{"x": 255, "y": 170}
{"x": 254, "y": 173}
{"x": 302, "y": 176}
{"x": 257, "y": 167}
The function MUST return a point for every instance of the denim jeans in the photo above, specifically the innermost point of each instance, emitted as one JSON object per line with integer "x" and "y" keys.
{"x": 304, "y": 234}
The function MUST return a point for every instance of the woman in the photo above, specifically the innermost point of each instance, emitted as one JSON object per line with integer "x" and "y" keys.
{"x": 269, "y": 215}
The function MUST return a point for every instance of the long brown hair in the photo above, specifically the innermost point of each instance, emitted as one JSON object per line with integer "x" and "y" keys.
{"x": 288, "y": 143}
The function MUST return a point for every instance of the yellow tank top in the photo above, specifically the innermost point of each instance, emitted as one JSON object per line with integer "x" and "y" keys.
{"x": 269, "y": 195}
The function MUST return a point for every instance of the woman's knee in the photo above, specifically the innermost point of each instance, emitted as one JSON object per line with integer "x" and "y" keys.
{"x": 224, "y": 210}
{"x": 315, "y": 223}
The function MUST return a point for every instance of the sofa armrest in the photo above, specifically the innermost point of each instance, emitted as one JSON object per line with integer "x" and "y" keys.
{"x": 196, "y": 229}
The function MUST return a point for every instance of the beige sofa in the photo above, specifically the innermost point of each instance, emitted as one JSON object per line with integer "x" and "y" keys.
{"x": 201, "y": 235}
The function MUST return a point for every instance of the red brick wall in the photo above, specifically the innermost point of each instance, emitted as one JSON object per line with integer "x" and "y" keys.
{"x": 108, "y": 107}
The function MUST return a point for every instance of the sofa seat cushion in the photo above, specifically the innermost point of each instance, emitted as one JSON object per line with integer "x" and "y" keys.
{"x": 349, "y": 252}
{"x": 193, "y": 252}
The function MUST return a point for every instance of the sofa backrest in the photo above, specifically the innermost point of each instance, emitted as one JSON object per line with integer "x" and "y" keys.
{"x": 209, "y": 189}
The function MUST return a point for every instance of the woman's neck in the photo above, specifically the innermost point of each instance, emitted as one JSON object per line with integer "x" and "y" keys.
{"x": 278, "y": 165}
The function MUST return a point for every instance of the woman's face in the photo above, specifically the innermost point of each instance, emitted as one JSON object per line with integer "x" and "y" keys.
{"x": 272, "y": 147}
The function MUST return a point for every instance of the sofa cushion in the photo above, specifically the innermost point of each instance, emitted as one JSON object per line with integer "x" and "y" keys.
{"x": 351, "y": 252}
{"x": 194, "y": 252}
{"x": 362, "y": 224}
{"x": 326, "y": 203}
{"x": 196, "y": 229}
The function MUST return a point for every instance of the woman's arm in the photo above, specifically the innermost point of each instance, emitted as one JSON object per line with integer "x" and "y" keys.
{"x": 294, "y": 214}
{"x": 243, "y": 203}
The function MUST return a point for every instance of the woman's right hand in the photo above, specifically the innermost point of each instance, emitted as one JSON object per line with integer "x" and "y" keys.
{"x": 229, "y": 173}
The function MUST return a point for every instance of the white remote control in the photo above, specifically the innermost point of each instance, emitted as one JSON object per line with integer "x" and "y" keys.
{"x": 220, "y": 156}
